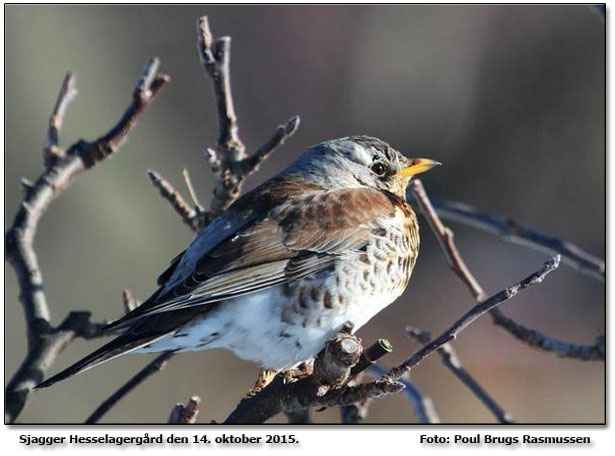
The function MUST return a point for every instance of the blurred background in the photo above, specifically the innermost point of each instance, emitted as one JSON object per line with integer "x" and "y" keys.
{"x": 511, "y": 99}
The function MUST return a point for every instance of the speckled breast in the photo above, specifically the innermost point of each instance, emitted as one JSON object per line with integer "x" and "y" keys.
{"x": 361, "y": 283}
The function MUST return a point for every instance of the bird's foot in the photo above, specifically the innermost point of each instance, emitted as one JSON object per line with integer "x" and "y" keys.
{"x": 303, "y": 370}
{"x": 265, "y": 376}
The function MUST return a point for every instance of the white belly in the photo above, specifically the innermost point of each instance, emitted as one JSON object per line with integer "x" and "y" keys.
{"x": 253, "y": 328}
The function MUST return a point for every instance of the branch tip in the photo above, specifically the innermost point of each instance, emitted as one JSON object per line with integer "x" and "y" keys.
{"x": 292, "y": 125}
{"x": 189, "y": 215}
{"x": 191, "y": 190}
{"x": 462, "y": 212}
{"x": 451, "y": 361}
{"x": 147, "y": 77}
{"x": 185, "y": 414}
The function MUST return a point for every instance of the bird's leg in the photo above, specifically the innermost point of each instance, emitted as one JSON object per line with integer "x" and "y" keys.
{"x": 265, "y": 376}
{"x": 303, "y": 370}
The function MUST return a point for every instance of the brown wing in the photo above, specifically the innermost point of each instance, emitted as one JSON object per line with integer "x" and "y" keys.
{"x": 301, "y": 235}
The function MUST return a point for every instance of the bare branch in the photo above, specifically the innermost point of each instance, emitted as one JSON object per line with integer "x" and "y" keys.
{"x": 533, "y": 338}
{"x": 513, "y": 231}
{"x": 282, "y": 133}
{"x": 390, "y": 382}
{"x": 331, "y": 369}
{"x": 178, "y": 203}
{"x": 185, "y": 414}
{"x": 423, "y": 406}
{"x": 44, "y": 341}
{"x": 453, "y": 363}
{"x": 215, "y": 57}
{"x": 67, "y": 93}
{"x": 145, "y": 91}
{"x": 446, "y": 239}
{"x": 474, "y": 313}
{"x": 355, "y": 413}
{"x": 158, "y": 364}
{"x": 193, "y": 195}
{"x": 229, "y": 161}
{"x": 371, "y": 354}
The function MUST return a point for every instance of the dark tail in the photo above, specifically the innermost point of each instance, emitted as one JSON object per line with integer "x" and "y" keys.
{"x": 119, "y": 346}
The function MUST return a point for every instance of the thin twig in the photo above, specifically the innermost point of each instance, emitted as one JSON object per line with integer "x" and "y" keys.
{"x": 144, "y": 93}
{"x": 67, "y": 93}
{"x": 531, "y": 337}
{"x": 282, "y": 133}
{"x": 215, "y": 57}
{"x": 195, "y": 199}
{"x": 390, "y": 382}
{"x": 474, "y": 313}
{"x": 512, "y": 231}
{"x": 453, "y": 363}
{"x": 178, "y": 203}
{"x": 185, "y": 414}
{"x": 422, "y": 405}
{"x": 229, "y": 161}
{"x": 445, "y": 237}
{"x": 45, "y": 342}
{"x": 158, "y": 364}
{"x": 297, "y": 395}
{"x": 534, "y": 338}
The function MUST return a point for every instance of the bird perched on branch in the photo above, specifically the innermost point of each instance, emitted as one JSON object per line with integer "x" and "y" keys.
{"x": 329, "y": 240}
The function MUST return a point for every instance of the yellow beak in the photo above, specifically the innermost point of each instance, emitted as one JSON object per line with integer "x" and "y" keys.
{"x": 417, "y": 166}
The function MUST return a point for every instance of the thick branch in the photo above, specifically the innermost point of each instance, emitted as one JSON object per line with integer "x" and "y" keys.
{"x": 354, "y": 413}
{"x": 533, "y": 338}
{"x": 453, "y": 363}
{"x": 45, "y": 341}
{"x": 300, "y": 416}
{"x": 512, "y": 231}
{"x": 332, "y": 368}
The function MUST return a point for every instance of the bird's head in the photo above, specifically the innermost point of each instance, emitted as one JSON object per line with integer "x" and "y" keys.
{"x": 359, "y": 161}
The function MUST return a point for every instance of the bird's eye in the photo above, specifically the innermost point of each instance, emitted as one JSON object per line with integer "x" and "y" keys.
{"x": 379, "y": 169}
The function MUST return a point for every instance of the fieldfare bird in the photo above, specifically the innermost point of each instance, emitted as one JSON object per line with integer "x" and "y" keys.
{"x": 328, "y": 241}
